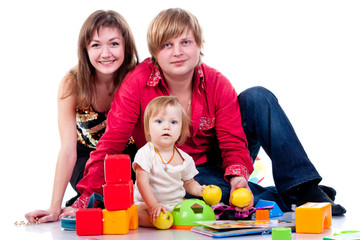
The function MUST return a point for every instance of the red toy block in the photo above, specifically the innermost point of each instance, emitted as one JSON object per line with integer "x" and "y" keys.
{"x": 89, "y": 221}
{"x": 118, "y": 196}
{"x": 117, "y": 168}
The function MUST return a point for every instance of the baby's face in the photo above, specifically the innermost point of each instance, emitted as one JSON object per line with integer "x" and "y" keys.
{"x": 165, "y": 127}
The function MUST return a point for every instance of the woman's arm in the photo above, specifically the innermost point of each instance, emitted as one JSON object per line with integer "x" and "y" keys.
{"x": 66, "y": 157}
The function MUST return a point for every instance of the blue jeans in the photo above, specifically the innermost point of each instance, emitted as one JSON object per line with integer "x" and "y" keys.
{"x": 266, "y": 125}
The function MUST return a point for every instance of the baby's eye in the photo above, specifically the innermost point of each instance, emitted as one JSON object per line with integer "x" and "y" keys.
{"x": 173, "y": 122}
{"x": 186, "y": 42}
{"x": 158, "y": 121}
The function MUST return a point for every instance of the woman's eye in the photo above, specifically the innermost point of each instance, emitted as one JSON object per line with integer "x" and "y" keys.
{"x": 95, "y": 45}
{"x": 114, "y": 44}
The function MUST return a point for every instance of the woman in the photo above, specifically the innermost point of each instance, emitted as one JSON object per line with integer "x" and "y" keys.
{"x": 106, "y": 52}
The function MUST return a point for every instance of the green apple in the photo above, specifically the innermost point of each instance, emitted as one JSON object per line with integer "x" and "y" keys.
{"x": 241, "y": 197}
{"x": 164, "y": 220}
{"x": 211, "y": 194}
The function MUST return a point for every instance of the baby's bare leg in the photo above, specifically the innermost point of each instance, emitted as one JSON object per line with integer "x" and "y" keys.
{"x": 144, "y": 216}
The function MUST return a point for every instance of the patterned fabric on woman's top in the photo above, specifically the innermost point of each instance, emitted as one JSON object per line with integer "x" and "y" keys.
{"x": 90, "y": 126}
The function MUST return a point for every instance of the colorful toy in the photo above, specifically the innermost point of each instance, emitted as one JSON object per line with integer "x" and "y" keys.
{"x": 274, "y": 212}
{"x": 89, "y": 221}
{"x": 117, "y": 168}
{"x": 119, "y": 215}
{"x": 259, "y": 171}
{"x": 281, "y": 233}
{"x": 313, "y": 217}
{"x": 68, "y": 223}
{"x": 344, "y": 235}
{"x": 188, "y": 211}
{"x": 118, "y": 196}
{"x": 224, "y": 212}
{"x": 262, "y": 215}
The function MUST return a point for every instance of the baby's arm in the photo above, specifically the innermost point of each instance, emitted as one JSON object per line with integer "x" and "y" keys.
{"x": 193, "y": 187}
{"x": 142, "y": 179}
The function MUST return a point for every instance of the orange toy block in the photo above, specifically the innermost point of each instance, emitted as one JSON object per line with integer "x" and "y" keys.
{"x": 115, "y": 222}
{"x": 313, "y": 217}
{"x": 132, "y": 213}
{"x": 262, "y": 215}
{"x": 121, "y": 221}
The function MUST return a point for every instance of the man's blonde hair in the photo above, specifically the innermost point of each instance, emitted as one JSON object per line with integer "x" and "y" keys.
{"x": 169, "y": 24}
{"x": 159, "y": 104}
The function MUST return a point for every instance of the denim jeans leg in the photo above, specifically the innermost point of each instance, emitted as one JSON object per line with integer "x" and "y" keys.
{"x": 266, "y": 125}
{"x": 213, "y": 174}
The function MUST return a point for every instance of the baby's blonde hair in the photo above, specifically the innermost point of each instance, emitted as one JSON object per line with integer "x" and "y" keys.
{"x": 159, "y": 104}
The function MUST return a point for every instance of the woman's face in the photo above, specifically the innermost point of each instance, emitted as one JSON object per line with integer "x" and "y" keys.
{"x": 106, "y": 50}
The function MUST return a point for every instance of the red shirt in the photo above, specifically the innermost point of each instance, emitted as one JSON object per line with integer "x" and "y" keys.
{"x": 215, "y": 114}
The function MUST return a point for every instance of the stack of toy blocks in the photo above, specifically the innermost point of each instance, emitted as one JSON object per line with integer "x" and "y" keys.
{"x": 119, "y": 214}
{"x": 313, "y": 217}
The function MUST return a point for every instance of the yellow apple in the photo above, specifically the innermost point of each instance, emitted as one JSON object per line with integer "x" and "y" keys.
{"x": 211, "y": 194}
{"x": 241, "y": 197}
{"x": 164, "y": 220}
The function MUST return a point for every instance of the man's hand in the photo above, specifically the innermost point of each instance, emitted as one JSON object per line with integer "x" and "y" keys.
{"x": 240, "y": 182}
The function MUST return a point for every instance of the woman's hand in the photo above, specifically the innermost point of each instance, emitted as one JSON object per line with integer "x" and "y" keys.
{"x": 68, "y": 211}
{"x": 43, "y": 216}
{"x": 240, "y": 182}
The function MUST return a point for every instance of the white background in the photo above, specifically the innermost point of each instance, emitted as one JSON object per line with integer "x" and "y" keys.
{"x": 306, "y": 52}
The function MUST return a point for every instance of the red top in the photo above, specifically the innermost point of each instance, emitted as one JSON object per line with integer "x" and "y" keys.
{"x": 215, "y": 114}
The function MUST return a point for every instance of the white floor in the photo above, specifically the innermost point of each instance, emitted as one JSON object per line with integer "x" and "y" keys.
{"x": 53, "y": 231}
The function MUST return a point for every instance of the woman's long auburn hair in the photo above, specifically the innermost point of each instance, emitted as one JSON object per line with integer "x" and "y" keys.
{"x": 83, "y": 79}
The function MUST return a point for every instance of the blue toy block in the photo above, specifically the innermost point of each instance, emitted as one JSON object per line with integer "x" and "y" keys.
{"x": 274, "y": 212}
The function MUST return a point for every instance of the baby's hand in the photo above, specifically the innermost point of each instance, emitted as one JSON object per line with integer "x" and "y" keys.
{"x": 201, "y": 189}
{"x": 155, "y": 211}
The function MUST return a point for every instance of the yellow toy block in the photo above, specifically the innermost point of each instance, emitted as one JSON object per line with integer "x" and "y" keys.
{"x": 132, "y": 213}
{"x": 313, "y": 217}
{"x": 115, "y": 222}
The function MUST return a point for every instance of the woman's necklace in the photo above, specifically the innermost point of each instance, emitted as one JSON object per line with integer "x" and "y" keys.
{"x": 163, "y": 159}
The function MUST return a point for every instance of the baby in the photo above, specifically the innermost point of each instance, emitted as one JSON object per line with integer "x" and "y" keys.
{"x": 164, "y": 173}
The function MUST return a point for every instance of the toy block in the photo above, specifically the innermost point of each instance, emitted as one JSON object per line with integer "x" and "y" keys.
{"x": 313, "y": 217}
{"x": 117, "y": 168}
{"x": 133, "y": 217}
{"x": 274, "y": 212}
{"x": 115, "y": 222}
{"x": 262, "y": 215}
{"x": 281, "y": 233}
{"x": 118, "y": 196}
{"x": 89, "y": 221}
